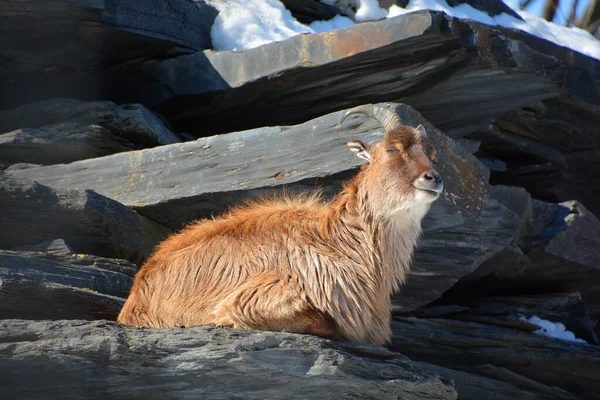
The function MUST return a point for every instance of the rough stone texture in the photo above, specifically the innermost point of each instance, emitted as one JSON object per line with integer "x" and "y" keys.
{"x": 60, "y": 143}
{"x": 89, "y": 222}
{"x": 133, "y": 124}
{"x": 82, "y": 37}
{"x": 563, "y": 248}
{"x": 571, "y": 232}
{"x": 102, "y": 359}
{"x": 454, "y": 344}
{"x": 454, "y": 245}
{"x": 206, "y": 176}
{"x": 457, "y": 73}
{"x": 518, "y": 201}
{"x": 557, "y": 254}
{"x": 34, "y": 286}
{"x": 59, "y": 250}
{"x": 550, "y": 148}
{"x": 502, "y": 384}
{"x": 442, "y": 66}
{"x": 203, "y": 169}
{"x": 566, "y": 308}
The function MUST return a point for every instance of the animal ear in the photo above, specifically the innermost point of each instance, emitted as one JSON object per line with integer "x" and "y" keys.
{"x": 362, "y": 150}
{"x": 421, "y": 128}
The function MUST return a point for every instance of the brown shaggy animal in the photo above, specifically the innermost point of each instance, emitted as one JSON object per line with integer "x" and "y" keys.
{"x": 300, "y": 265}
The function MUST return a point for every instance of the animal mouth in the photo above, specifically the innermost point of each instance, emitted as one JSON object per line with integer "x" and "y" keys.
{"x": 436, "y": 191}
{"x": 433, "y": 194}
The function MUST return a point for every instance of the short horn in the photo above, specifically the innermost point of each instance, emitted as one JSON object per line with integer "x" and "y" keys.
{"x": 387, "y": 118}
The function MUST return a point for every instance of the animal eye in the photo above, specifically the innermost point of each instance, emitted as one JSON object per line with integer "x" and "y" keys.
{"x": 392, "y": 150}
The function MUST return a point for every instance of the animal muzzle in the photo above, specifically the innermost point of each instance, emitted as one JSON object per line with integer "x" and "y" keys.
{"x": 430, "y": 181}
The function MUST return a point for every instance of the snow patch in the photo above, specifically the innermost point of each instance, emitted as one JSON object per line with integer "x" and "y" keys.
{"x": 369, "y": 10}
{"x": 246, "y": 24}
{"x": 552, "y": 329}
{"x": 574, "y": 38}
{"x": 338, "y": 22}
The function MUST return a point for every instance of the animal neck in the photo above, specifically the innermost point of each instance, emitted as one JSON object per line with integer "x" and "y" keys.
{"x": 392, "y": 236}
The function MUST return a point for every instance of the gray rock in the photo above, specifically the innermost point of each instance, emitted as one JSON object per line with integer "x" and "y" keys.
{"x": 133, "y": 124}
{"x": 454, "y": 245}
{"x": 59, "y": 250}
{"x": 549, "y": 147}
{"x": 216, "y": 171}
{"x": 518, "y": 201}
{"x": 441, "y": 66}
{"x": 83, "y": 36}
{"x": 468, "y": 346}
{"x": 469, "y": 305}
{"x": 501, "y": 384}
{"x": 563, "y": 248}
{"x": 33, "y": 286}
{"x": 567, "y": 230}
{"x": 206, "y": 176}
{"x": 89, "y": 222}
{"x": 59, "y": 143}
{"x": 102, "y": 359}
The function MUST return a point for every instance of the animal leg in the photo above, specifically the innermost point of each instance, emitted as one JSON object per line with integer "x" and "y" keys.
{"x": 274, "y": 302}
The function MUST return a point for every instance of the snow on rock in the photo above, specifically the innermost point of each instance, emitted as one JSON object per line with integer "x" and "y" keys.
{"x": 338, "y": 22}
{"x": 369, "y": 10}
{"x": 574, "y": 38}
{"x": 246, "y": 24}
{"x": 552, "y": 329}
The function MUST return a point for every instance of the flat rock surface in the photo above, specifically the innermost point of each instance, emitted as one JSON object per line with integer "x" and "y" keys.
{"x": 258, "y": 158}
{"x": 102, "y": 359}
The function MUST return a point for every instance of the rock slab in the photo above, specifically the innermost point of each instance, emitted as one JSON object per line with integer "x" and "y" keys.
{"x": 101, "y": 359}
{"x": 89, "y": 222}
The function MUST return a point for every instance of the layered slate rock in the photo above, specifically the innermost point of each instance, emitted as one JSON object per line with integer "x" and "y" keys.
{"x": 503, "y": 353}
{"x": 440, "y": 65}
{"x": 500, "y": 383}
{"x": 204, "y": 177}
{"x": 99, "y": 359}
{"x": 550, "y": 148}
{"x": 34, "y": 285}
{"x": 563, "y": 248}
{"x": 89, "y": 222}
{"x": 212, "y": 170}
{"x": 133, "y": 125}
{"x": 453, "y": 246}
{"x": 83, "y": 38}
{"x": 565, "y": 308}
{"x": 59, "y": 143}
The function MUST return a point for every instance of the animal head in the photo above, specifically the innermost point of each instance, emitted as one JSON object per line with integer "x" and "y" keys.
{"x": 400, "y": 173}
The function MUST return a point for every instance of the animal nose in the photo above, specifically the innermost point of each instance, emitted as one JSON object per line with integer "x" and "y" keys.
{"x": 431, "y": 180}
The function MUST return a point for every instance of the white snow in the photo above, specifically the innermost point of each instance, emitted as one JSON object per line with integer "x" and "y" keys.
{"x": 338, "y": 22}
{"x": 574, "y": 38}
{"x": 245, "y": 24}
{"x": 552, "y": 329}
{"x": 369, "y": 10}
